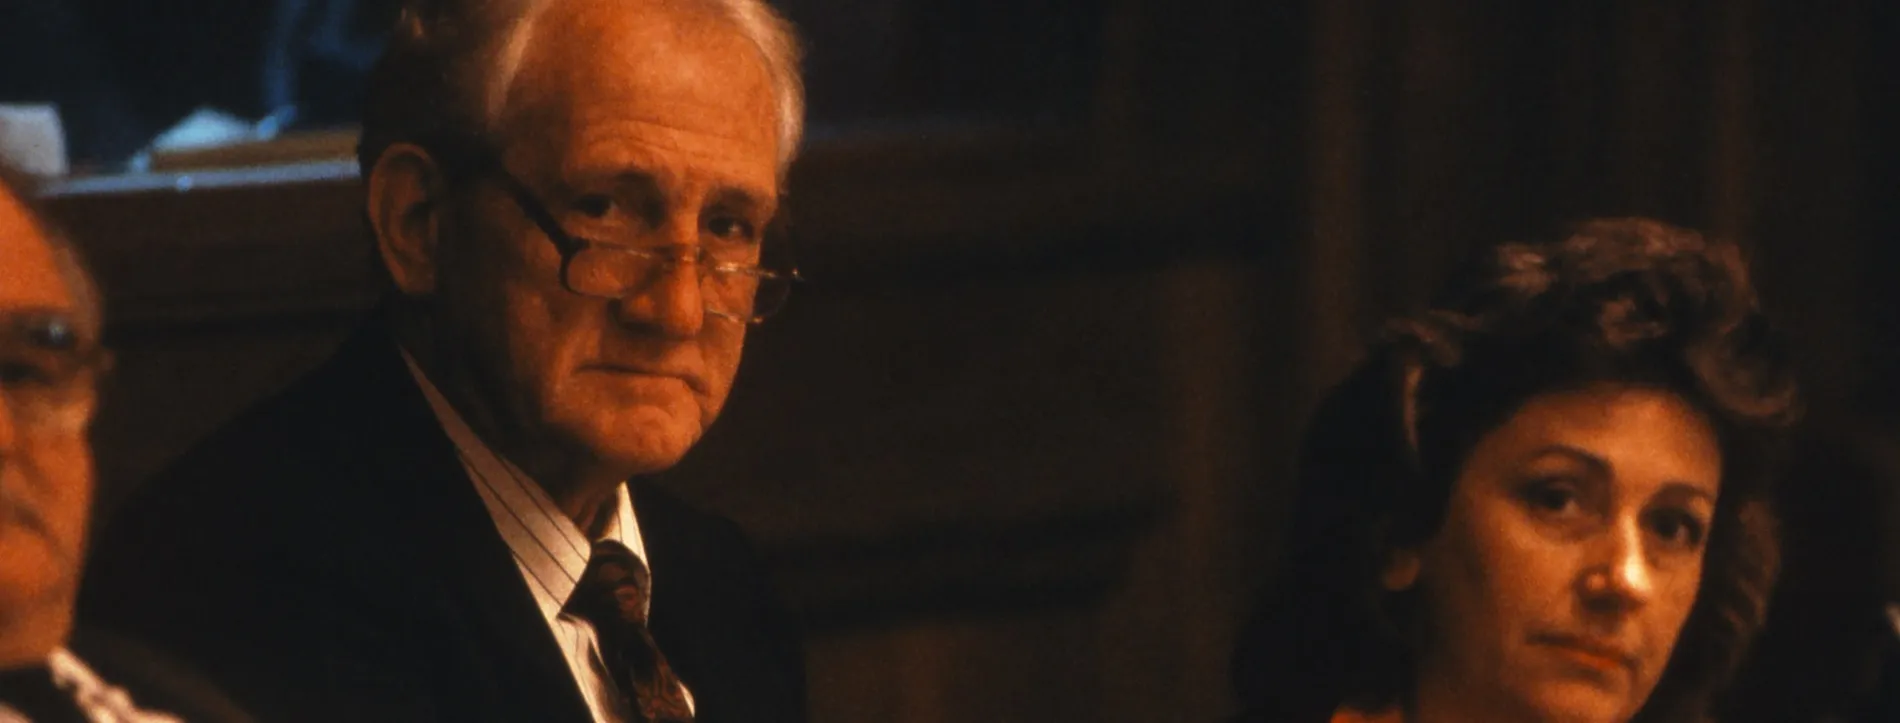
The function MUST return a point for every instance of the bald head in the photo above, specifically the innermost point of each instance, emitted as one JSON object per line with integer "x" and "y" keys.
{"x": 23, "y": 220}
{"x": 31, "y": 276}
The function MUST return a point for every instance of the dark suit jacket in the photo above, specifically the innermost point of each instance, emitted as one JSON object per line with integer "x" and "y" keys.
{"x": 1883, "y": 703}
{"x": 155, "y": 681}
{"x": 325, "y": 557}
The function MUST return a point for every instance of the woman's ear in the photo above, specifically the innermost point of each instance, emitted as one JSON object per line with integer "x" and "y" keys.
{"x": 406, "y": 193}
{"x": 1401, "y": 570}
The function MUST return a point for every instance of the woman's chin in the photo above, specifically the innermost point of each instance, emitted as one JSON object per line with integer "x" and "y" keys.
{"x": 1576, "y": 701}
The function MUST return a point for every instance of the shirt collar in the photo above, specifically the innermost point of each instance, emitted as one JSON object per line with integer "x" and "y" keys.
{"x": 551, "y": 550}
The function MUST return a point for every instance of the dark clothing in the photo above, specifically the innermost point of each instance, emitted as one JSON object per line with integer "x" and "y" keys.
{"x": 1883, "y": 705}
{"x": 156, "y": 681}
{"x": 102, "y": 677}
{"x": 326, "y": 557}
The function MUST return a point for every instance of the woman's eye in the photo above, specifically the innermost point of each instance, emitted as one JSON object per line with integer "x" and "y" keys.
{"x": 1552, "y": 496}
{"x": 1679, "y": 528}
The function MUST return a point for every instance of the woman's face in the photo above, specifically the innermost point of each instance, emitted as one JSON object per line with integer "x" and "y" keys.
{"x": 1570, "y": 555}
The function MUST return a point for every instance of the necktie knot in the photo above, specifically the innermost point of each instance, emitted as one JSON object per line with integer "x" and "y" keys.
{"x": 615, "y": 584}
{"x": 613, "y": 594}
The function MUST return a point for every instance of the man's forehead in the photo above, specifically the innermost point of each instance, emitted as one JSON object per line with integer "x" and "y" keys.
{"x": 30, "y": 275}
{"x": 666, "y": 151}
{"x": 678, "y": 17}
{"x": 668, "y": 64}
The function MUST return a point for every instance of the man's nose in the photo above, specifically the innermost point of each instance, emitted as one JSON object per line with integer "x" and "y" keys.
{"x": 671, "y": 303}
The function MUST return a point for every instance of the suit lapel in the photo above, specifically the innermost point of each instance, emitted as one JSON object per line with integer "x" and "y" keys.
{"x": 672, "y": 621}
{"x": 691, "y": 616}
{"x": 444, "y": 565}
{"x": 714, "y": 617}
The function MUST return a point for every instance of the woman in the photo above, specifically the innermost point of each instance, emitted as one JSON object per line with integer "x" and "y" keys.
{"x": 1545, "y": 498}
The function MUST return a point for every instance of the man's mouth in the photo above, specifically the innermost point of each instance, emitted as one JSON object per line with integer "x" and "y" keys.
{"x": 691, "y": 380}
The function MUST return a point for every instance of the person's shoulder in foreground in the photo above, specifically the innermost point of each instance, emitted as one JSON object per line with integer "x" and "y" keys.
{"x": 50, "y": 362}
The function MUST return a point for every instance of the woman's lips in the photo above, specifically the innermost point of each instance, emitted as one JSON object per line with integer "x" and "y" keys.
{"x": 1591, "y": 653}
{"x": 1590, "y": 660}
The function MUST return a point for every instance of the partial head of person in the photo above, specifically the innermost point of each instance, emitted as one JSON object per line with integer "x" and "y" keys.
{"x": 1546, "y": 498}
{"x": 572, "y": 198}
{"x": 50, "y": 357}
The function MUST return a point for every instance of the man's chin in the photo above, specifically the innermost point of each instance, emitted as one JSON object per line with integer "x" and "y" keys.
{"x": 36, "y": 602}
{"x": 33, "y": 629}
{"x": 643, "y": 445}
{"x": 32, "y": 565}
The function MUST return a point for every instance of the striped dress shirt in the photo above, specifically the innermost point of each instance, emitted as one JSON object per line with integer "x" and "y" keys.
{"x": 549, "y": 549}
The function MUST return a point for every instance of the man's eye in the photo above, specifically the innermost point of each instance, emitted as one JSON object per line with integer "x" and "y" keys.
{"x": 730, "y": 228}
{"x": 595, "y": 206}
{"x": 54, "y": 334}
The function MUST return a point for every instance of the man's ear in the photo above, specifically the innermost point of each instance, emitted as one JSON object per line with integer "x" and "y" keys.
{"x": 1401, "y": 569}
{"x": 407, "y": 195}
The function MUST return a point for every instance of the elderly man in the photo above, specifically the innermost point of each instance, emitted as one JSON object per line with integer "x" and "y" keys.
{"x": 438, "y": 523}
{"x": 50, "y": 358}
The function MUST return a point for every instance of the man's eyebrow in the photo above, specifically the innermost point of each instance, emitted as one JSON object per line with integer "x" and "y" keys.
{"x": 741, "y": 198}
{"x": 730, "y": 195}
{"x": 37, "y": 313}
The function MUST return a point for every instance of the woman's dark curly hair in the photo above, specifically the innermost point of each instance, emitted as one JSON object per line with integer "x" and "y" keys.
{"x": 1619, "y": 301}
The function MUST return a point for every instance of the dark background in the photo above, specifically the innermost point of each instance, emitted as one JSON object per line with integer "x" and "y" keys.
{"x": 1019, "y": 452}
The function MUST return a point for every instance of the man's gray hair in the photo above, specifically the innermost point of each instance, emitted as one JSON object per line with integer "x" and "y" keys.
{"x": 449, "y": 64}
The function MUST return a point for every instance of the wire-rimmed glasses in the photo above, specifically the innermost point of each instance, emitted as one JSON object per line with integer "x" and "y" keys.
{"x": 48, "y": 370}
{"x": 736, "y": 291}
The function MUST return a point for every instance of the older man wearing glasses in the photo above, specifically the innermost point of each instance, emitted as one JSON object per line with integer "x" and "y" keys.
{"x": 446, "y": 521}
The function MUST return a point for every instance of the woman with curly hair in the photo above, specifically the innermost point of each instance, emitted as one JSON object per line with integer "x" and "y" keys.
{"x": 1544, "y": 498}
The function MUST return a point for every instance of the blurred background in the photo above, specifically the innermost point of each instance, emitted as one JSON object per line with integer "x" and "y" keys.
{"x": 1020, "y": 450}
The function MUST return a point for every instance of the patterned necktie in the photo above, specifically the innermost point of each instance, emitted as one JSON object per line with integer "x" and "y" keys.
{"x": 612, "y": 595}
